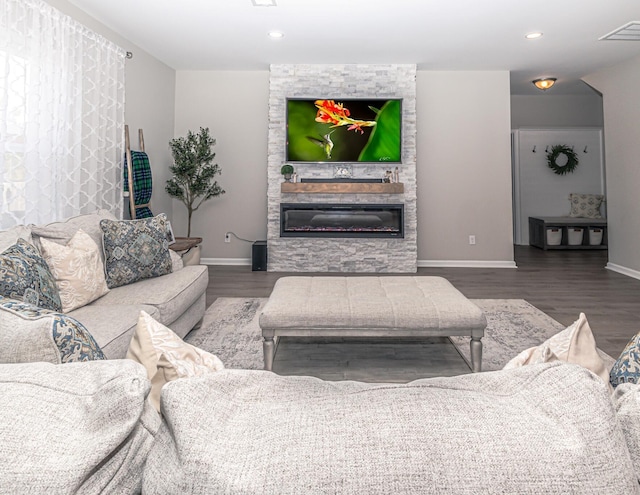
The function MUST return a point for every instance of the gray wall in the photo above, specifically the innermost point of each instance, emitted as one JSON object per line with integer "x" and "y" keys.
{"x": 234, "y": 106}
{"x": 150, "y": 94}
{"x": 620, "y": 88}
{"x": 464, "y": 168}
{"x": 463, "y": 162}
{"x": 548, "y": 110}
{"x": 463, "y": 159}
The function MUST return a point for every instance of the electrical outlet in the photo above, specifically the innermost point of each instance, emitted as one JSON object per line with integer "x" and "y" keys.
{"x": 472, "y": 240}
{"x": 227, "y": 237}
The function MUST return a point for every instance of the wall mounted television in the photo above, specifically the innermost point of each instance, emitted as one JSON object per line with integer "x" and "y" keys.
{"x": 344, "y": 130}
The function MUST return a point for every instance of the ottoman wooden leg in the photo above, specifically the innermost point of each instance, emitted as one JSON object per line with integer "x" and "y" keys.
{"x": 268, "y": 349}
{"x": 476, "y": 354}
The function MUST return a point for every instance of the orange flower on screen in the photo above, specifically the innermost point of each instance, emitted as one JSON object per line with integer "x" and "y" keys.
{"x": 330, "y": 112}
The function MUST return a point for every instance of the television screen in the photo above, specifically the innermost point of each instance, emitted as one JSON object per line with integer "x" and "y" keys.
{"x": 344, "y": 130}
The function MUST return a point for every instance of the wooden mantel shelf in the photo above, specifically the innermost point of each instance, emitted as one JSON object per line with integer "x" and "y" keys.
{"x": 342, "y": 187}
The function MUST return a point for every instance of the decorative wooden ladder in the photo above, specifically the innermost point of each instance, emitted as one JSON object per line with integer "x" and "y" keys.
{"x": 141, "y": 155}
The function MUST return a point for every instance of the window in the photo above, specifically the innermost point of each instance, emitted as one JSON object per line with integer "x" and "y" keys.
{"x": 61, "y": 116}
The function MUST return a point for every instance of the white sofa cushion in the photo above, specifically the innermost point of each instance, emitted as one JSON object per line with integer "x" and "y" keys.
{"x": 74, "y": 428}
{"x": 627, "y": 403}
{"x": 10, "y": 237}
{"x": 547, "y": 428}
{"x": 62, "y": 232}
{"x": 171, "y": 294}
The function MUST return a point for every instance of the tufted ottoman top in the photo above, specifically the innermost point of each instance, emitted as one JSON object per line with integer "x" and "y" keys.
{"x": 404, "y": 302}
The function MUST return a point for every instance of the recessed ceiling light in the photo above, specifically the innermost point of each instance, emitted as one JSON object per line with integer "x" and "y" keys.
{"x": 276, "y": 35}
{"x": 264, "y": 3}
{"x": 533, "y": 36}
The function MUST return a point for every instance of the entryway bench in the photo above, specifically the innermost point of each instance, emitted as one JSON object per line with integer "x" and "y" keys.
{"x": 370, "y": 306}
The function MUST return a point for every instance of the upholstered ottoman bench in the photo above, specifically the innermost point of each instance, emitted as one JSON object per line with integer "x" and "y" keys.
{"x": 369, "y": 306}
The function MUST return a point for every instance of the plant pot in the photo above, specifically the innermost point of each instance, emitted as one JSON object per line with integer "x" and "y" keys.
{"x": 287, "y": 177}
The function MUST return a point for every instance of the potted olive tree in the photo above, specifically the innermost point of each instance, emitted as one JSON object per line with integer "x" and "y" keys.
{"x": 193, "y": 171}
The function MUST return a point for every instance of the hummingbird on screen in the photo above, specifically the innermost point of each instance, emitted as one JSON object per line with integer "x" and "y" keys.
{"x": 324, "y": 142}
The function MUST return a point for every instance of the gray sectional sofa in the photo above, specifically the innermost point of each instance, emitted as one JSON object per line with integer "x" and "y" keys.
{"x": 88, "y": 427}
{"x": 176, "y": 299}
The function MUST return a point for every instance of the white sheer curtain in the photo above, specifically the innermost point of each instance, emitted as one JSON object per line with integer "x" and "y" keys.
{"x": 61, "y": 116}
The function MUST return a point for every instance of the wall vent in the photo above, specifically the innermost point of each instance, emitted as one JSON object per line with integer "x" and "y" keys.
{"x": 628, "y": 32}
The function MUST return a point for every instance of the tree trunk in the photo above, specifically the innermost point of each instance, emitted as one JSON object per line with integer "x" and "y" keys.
{"x": 189, "y": 223}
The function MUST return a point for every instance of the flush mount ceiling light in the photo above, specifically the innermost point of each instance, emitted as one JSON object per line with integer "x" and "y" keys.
{"x": 264, "y": 3}
{"x": 533, "y": 36}
{"x": 544, "y": 83}
{"x": 276, "y": 35}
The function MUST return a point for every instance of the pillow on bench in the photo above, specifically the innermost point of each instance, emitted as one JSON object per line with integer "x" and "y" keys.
{"x": 585, "y": 205}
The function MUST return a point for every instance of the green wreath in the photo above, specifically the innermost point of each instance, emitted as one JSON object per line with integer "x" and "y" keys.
{"x": 556, "y": 151}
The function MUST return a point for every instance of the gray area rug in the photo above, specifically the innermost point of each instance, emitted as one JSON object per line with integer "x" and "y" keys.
{"x": 230, "y": 331}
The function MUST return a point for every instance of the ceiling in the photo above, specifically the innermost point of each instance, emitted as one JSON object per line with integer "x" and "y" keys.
{"x": 434, "y": 34}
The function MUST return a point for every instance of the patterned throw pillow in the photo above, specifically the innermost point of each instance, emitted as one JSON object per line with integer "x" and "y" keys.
{"x": 77, "y": 268}
{"x": 585, "y": 205}
{"x": 25, "y": 276}
{"x": 627, "y": 368}
{"x": 135, "y": 249}
{"x": 166, "y": 356}
{"x": 37, "y": 334}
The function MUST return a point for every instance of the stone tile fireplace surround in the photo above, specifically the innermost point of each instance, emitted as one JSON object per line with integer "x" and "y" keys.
{"x": 304, "y": 254}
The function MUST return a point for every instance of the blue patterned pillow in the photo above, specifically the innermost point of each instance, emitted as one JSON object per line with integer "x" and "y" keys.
{"x": 627, "y": 368}
{"x": 25, "y": 275}
{"x": 135, "y": 249}
{"x": 73, "y": 342}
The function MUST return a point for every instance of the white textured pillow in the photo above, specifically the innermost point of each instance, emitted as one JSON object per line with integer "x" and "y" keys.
{"x": 166, "y": 356}
{"x": 575, "y": 344}
{"x": 77, "y": 269}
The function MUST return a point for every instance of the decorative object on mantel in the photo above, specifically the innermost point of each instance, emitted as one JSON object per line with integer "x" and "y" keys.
{"x": 287, "y": 170}
{"x": 554, "y": 154}
{"x": 343, "y": 171}
{"x": 193, "y": 172}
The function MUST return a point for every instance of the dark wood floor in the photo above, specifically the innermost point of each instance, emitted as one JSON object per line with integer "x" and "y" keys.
{"x": 560, "y": 283}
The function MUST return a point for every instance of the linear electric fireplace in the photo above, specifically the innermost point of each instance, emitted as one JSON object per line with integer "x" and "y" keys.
{"x": 341, "y": 220}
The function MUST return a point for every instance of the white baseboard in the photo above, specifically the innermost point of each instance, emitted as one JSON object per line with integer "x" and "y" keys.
{"x": 226, "y": 261}
{"x": 421, "y": 263}
{"x": 465, "y": 264}
{"x": 623, "y": 270}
